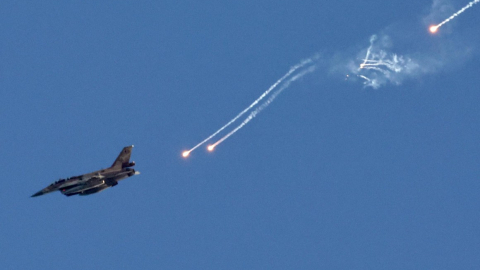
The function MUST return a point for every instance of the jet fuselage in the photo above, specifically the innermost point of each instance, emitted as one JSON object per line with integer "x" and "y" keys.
{"x": 97, "y": 181}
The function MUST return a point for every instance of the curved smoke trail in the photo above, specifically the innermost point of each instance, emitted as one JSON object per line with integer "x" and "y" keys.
{"x": 292, "y": 70}
{"x": 264, "y": 105}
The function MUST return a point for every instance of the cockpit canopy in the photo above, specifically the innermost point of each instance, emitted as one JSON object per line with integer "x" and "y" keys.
{"x": 59, "y": 181}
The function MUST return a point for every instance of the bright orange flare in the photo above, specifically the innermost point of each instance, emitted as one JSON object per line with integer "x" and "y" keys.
{"x": 211, "y": 147}
{"x": 185, "y": 154}
{"x": 433, "y": 29}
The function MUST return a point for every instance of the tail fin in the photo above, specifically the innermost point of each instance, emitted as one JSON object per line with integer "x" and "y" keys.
{"x": 123, "y": 158}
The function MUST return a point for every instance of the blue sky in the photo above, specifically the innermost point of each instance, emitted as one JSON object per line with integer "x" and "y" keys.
{"x": 332, "y": 175}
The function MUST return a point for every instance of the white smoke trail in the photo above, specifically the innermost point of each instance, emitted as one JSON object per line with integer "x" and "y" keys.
{"x": 367, "y": 56}
{"x": 264, "y": 105}
{"x": 435, "y": 28}
{"x": 379, "y": 66}
{"x": 376, "y": 65}
{"x": 292, "y": 69}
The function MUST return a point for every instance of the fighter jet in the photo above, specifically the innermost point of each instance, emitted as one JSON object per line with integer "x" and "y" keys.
{"x": 97, "y": 181}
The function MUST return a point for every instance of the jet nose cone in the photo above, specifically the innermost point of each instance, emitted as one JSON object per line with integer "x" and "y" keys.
{"x": 37, "y": 194}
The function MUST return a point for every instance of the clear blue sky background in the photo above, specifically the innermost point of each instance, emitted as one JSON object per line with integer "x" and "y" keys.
{"x": 331, "y": 176}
